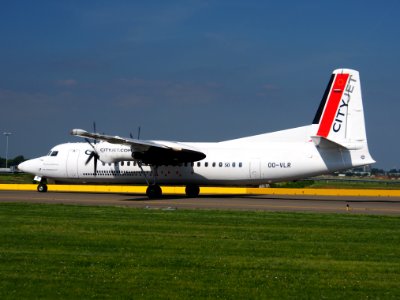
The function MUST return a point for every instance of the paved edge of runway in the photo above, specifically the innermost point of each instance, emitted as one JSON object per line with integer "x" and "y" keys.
{"x": 180, "y": 190}
{"x": 271, "y": 203}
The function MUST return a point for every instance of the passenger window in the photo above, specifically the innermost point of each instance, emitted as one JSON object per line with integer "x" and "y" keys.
{"x": 240, "y": 165}
{"x": 128, "y": 163}
{"x": 233, "y": 165}
{"x": 122, "y": 163}
{"x": 199, "y": 164}
{"x": 206, "y": 164}
{"x": 213, "y": 164}
{"x": 220, "y": 164}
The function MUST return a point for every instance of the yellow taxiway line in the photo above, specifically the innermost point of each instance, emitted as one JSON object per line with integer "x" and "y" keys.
{"x": 206, "y": 190}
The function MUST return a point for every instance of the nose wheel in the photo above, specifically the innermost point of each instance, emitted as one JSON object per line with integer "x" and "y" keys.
{"x": 42, "y": 188}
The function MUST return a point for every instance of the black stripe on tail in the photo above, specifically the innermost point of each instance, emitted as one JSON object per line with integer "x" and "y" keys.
{"x": 317, "y": 117}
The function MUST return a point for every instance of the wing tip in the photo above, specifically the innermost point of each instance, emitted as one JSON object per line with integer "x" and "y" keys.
{"x": 78, "y": 132}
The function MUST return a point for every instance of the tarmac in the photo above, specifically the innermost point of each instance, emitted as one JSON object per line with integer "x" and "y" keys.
{"x": 355, "y": 204}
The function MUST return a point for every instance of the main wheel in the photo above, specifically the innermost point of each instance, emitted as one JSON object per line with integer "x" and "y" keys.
{"x": 42, "y": 188}
{"x": 154, "y": 191}
{"x": 192, "y": 190}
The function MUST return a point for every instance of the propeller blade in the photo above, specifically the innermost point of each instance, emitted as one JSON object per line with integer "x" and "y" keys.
{"x": 88, "y": 141}
{"x": 94, "y": 130}
{"x": 95, "y": 164}
{"x": 91, "y": 155}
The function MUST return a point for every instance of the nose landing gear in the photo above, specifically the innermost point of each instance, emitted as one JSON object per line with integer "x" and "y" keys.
{"x": 42, "y": 188}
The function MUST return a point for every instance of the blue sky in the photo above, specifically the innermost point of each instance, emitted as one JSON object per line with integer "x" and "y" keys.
{"x": 191, "y": 70}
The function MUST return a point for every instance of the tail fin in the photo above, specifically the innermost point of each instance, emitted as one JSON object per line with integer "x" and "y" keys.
{"x": 340, "y": 116}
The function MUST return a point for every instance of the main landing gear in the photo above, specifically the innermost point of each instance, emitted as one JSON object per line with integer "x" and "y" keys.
{"x": 154, "y": 191}
{"x": 192, "y": 190}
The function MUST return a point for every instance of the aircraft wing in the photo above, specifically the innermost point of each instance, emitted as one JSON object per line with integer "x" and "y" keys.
{"x": 150, "y": 152}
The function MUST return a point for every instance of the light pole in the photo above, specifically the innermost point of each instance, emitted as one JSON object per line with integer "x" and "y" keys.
{"x": 7, "y": 134}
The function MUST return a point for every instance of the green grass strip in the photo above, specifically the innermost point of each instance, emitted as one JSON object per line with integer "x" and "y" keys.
{"x": 77, "y": 252}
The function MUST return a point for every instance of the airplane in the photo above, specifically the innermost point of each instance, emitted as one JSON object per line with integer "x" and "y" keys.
{"x": 336, "y": 140}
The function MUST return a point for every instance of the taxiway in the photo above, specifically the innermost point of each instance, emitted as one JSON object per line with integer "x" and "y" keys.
{"x": 326, "y": 204}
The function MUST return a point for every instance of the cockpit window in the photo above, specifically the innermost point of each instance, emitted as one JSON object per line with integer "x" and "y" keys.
{"x": 54, "y": 153}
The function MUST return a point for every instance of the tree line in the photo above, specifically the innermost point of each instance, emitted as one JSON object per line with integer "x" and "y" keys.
{"x": 11, "y": 161}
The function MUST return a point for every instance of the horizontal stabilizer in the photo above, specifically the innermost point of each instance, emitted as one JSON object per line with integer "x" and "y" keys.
{"x": 325, "y": 143}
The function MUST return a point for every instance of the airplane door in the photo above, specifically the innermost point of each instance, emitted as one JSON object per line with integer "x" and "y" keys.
{"x": 72, "y": 163}
{"x": 255, "y": 169}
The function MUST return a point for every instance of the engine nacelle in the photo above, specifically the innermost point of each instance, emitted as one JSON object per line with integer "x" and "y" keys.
{"x": 110, "y": 153}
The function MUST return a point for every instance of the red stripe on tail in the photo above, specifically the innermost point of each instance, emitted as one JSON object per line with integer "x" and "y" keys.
{"x": 332, "y": 104}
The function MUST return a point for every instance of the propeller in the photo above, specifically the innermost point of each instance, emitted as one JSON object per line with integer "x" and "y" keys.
{"x": 94, "y": 131}
{"x": 93, "y": 155}
{"x": 138, "y": 136}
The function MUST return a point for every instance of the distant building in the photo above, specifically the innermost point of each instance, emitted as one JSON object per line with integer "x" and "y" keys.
{"x": 364, "y": 171}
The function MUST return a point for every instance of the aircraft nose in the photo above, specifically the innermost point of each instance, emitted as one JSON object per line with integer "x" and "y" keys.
{"x": 29, "y": 166}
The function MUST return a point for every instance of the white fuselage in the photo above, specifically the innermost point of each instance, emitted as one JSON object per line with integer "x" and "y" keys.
{"x": 336, "y": 140}
{"x": 266, "y": 158}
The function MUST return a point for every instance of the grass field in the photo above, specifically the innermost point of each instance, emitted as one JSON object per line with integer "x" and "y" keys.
{"x": 71, "y": 252}
{"x": 16, "y": 178}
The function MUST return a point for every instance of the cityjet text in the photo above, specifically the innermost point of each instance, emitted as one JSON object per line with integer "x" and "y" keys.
{"x": 344, "y": 105}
